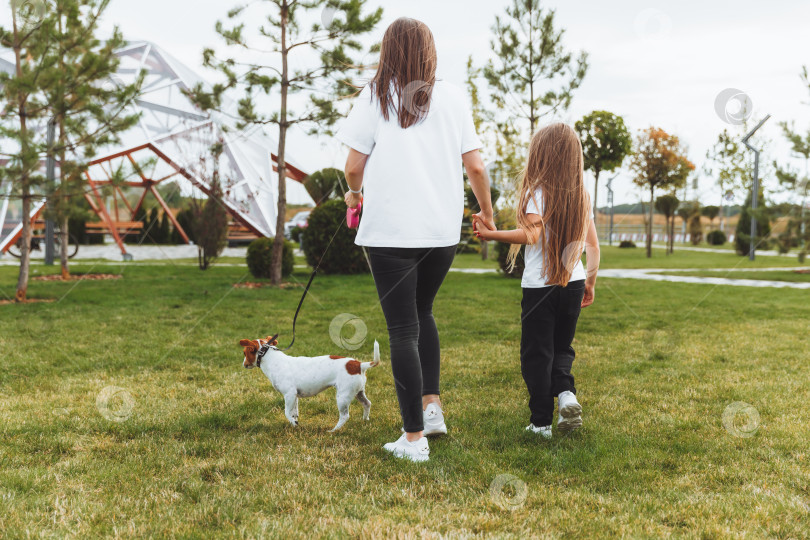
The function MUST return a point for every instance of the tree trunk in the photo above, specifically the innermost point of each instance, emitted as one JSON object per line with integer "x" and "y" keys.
{"x": 64, "y": 233}
{"x": 722, "y": 214}
{"x": 650, "y": 223}
{"x": 278, "y": 244}
{"x": 595, "y": 192}
{"x": 64, "y": 238}
{"x": 25, "y": 249}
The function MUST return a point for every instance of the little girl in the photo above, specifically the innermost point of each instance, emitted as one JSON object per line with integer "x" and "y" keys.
{"x": 556, "y": 222}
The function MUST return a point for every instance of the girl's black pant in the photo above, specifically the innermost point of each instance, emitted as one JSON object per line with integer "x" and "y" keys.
{"x": 408, "y": 280}
{"x": 549, "y": 322}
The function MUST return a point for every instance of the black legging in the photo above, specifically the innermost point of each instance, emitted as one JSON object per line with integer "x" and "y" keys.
{"x": 407, "y": 281}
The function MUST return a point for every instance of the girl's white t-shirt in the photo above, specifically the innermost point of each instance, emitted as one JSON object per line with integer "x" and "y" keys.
{"x": 413, "y": 184}
{"x": 533, "y": 273}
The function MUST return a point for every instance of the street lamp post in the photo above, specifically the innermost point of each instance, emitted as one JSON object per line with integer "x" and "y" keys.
{"x": 610, "y": 202}
{"x": 755, "y": 192}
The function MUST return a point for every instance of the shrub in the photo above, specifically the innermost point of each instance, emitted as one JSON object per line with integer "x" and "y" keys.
{"x": 802, "y": 256}
{"x": 627, "y": 244}
{"x": 716, "y": 238}
{"x": 742, "y": 239}
{"x": 260, "y": 253}
{"x": 295, "y": 234}
{"x": 343, "y": 257}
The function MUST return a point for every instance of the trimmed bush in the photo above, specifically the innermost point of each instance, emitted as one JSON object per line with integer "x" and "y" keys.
{"x": 627, "y": 244}
{"x": 716, "y": 238}
{"x": 802, "y": 256}
{"x": 295, "y": 233}
{"x": 260, "y": 253}
{"x": 343, "y": 257}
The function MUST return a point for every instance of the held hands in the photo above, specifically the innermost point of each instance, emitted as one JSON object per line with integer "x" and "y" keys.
{"x": 483, "y": 226}
{"x": 352, "y": 199}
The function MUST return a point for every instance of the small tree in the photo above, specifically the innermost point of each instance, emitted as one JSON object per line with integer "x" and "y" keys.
{"x": 668, "y": 205}
{"x": 690, "y": 212}
{"x": 726, "y": 162}
{"x": 22, "y": 109}
{"x": 529, "y": 57}
{"x": 605, "y": 144}
{"x": 659, "y": 161}
{"x": 710, "y": 212}
{"x": 321, "y": 80}
{"x": 743, "y": 239}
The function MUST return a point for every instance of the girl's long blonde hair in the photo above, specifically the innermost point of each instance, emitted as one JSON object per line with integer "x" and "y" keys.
{"x": 555, "y": 165}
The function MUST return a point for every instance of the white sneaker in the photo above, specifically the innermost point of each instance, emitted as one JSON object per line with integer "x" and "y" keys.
{"x": 543, "y": 431}
{"x": 418, "y": 451}
{"x": 433, "y": 418}
{"x": 570, "y": 412}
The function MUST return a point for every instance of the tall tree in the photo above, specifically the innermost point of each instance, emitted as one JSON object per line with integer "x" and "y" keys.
{"x": 87, "y": 108}
{"x": 280, "y": 24}
{"x": 605, "y": 143}
{"x": 659, "y": 161}
{"x": 22, "y": 115}
{"x": 726, "y": 161}
{"x": 529, "y": 60}
{"x": 792, "y": 179}
{"x": 668, "y": 206}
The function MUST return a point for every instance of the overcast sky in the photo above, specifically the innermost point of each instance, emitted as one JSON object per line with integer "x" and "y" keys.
{"x": 654, "y": 62}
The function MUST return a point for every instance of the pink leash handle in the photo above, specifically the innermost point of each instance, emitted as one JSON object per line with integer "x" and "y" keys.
{"x": 353, "y": 216}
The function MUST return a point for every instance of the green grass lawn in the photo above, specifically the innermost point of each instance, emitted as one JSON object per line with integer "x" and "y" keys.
{"x": 203, "y": 448}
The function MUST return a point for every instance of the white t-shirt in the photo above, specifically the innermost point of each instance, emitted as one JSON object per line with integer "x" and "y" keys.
{"x": 413, "y": 184}
{"x": 533, "y": 273}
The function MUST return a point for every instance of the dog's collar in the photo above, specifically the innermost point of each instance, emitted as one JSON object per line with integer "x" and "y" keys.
{"x": 262, "y": 351}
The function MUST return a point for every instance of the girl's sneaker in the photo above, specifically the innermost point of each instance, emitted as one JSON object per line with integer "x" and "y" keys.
{"x": 417, "y": 451}
{"x": 543, "y": 431}
{"x": 433, "y": 418}
{"x": 570, "y": 412}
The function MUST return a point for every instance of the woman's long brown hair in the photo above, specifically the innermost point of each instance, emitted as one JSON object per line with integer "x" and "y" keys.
{"x": 555, "y": 166}
{"x": 406, "y": 73}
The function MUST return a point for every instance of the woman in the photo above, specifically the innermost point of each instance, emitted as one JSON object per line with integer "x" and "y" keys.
{"x": 409, "y": 134}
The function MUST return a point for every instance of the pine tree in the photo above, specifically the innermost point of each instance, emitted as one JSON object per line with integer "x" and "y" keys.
{"x": 529, "y": 56}
{"x": 22, "y": 110}
{"x": 87, "y": 110}
{"x": 742, "y": 239}
{"x": 281, "y": 24}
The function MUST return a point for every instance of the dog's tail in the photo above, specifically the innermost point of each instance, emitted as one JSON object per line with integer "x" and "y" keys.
{"x": 368, "y": 365}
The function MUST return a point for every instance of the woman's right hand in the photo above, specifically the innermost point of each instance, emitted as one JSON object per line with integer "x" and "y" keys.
{"x": 352, "y": 199}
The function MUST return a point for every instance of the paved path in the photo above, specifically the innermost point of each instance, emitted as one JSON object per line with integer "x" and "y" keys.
{"x": 655, "y": 274}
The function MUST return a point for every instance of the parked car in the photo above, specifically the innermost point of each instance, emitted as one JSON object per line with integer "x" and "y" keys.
{"x": 300, "y": 220}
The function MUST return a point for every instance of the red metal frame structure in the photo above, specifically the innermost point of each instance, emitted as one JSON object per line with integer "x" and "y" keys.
{"x": 173, "y": 141}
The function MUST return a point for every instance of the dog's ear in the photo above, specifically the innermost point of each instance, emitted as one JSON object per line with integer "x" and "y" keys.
{"x": 272, "y": 341}
{"x": 247, "y": 343}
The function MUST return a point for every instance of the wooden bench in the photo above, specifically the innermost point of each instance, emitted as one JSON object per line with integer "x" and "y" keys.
{"x": 122, "y": 227}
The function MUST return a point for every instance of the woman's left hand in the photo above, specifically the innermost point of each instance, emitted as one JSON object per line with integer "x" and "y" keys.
{"x": 352, "y": 199}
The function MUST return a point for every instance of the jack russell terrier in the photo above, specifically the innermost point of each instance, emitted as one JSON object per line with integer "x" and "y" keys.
{"x": 302, "y": 376}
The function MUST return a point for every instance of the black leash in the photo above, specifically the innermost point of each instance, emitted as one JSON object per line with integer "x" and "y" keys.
{"x": 264, "y": 350}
